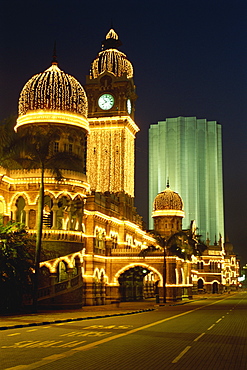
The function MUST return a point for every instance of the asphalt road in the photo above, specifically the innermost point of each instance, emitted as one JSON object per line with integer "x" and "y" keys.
{"x": 207, "y": 334}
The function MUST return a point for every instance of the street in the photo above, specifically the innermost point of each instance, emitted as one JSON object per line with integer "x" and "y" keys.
{"x": 201, "y": 334}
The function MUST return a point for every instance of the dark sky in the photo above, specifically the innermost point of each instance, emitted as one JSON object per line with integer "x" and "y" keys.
{"x": 189, "y": 59}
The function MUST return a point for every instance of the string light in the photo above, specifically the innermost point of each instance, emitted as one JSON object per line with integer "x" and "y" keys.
{"x": 111, "y": 60}
{"x": 53, "y": 90}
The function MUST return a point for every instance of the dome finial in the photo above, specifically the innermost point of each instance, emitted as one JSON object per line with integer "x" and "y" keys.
{"x": 54, "y": 58}
{"x": 111, "y": 40}
{"x": 167, "y": 184}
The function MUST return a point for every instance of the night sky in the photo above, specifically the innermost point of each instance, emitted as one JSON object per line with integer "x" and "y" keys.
{"x": 189, "y": 59}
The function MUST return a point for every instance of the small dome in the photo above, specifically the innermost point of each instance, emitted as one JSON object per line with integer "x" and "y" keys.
{"x": 53, "y": 90}
{"x": 111, "y": 59}
{"x": 168, "y": 202}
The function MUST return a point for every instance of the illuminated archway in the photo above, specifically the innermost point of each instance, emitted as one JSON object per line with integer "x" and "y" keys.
{"x": 133, "y": 285}
{"x": 143, "y": 265}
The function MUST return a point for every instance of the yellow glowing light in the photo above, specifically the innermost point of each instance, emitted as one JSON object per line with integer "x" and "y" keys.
{"x": 52, "y": 116}
{"x": 53, "y": 90}
{"x": 128, "y": 224}
{"x": 113, "y": 123}
{"x": 144, "y": 265}
{"x": 112, "y": 34}
{"x": 20, "y": 178}
{"x": 168, "y": 212}
{"x": 69, "y": 259}
{"x": 113, "y": 61}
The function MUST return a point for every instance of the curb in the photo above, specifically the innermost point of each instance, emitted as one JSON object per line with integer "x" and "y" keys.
{"x": 18, "y": 326}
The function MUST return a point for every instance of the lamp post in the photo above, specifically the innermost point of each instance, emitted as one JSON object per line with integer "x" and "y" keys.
{"x": 164, "y": 273}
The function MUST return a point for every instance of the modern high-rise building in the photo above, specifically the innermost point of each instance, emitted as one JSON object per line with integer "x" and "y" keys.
{"x": 188, "y": 152}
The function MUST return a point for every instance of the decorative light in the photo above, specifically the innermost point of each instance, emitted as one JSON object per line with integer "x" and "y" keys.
{"x": 168, "y": 212}
{"x": 111, "y": 60}
{"x": 52, "y": 116}
{"x": 53, "y": 90}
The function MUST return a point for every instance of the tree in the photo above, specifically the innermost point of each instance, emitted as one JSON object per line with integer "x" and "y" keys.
{"x": 16, "y": 266}
{"x": 33, "y": 149}
{"x": 183, "y": 244}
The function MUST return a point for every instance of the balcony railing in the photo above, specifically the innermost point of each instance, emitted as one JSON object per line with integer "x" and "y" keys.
{"x": 65, "y": 235}
{"x": 59, "y": 288}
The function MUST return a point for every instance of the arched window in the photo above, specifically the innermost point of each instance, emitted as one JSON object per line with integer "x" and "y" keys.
{"x": 76, "y": 267}
{"x": 62, "y": 271}
{"x": 20, "y": 212}
{"x": 47, "y": 212}
{"x": 44, "y": 276}
{"x": 63, "y": 213}
{"x": 1, "y": 207}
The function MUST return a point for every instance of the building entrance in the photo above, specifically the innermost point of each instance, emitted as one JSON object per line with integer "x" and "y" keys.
{"x": 132, "y": 284}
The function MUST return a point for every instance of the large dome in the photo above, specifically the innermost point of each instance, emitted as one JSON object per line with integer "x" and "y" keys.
{"x": 168, "y": 202}
{"x": 53, "y": 90}
{"x": 55, "y": 97}
{"x": 111, "y": 59}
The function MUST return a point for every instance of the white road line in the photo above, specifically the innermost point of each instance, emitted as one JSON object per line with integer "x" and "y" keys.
{"x": 218, "y": 321}
{"x": 11, "y": 335}
{"x": 201, "y": 335}
{"x": 181, "y": 354}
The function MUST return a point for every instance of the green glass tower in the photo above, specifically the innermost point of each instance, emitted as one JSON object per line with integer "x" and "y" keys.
{"x": 188, "y": 152}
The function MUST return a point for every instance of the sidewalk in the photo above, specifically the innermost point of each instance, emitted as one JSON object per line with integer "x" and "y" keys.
{"x": 86, "y": 312}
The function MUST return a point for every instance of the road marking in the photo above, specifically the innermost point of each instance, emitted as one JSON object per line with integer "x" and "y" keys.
{"x": 71, "y": 344}
{"x": 181, "y": 354}
{"x": 201, "y": 335}
{"x": 211, "y": 327}
{"x": 49, "y": 359}
{"x": 11, "y": 335}
{"x": 218, "y": 321}
{"x": 85, "y": 334}
{"x": 108, "y": 327}
{"x": 31, "y": 330}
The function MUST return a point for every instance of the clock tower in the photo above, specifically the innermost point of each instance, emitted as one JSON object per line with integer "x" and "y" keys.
{"x": 111, "y": 104}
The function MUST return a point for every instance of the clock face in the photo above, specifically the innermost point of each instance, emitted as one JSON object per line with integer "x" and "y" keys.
{"x": 106, "y": 101}
{"x": 129, "y": 106}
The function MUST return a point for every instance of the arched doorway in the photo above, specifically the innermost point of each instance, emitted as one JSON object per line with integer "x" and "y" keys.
{"x": 215, "y": 288}
{"x": 131, "y": 284}
{"x": 200, "y": 285}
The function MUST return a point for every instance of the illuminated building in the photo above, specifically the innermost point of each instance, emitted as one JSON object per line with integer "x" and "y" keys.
{"x": 188, "y": 151}
{"x": 92, "y": 236}
{"x": 111, "y": 104}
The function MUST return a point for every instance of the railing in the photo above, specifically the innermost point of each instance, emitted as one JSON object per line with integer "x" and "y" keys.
{"x": 61, "y": 286}
{"x": 135, "y": 252}
{"x": 65, "y": 235}
{"x": 67, "y": 285}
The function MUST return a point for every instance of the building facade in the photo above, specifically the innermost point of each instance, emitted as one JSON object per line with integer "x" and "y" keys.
{"x": 95, "y": 249}
{"x": 188, "y": 151}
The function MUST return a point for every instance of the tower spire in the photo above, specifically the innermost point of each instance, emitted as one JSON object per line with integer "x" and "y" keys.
{"x": 111, "y": 40}
{"x": 54, "y": 58}
{"x": 167, "y": 183}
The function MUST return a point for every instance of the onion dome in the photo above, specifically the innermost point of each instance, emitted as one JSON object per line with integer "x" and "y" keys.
{"x": 53, "y": 96}
{"x": 168, "y": 203}
{"x": 111, "y": 59}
